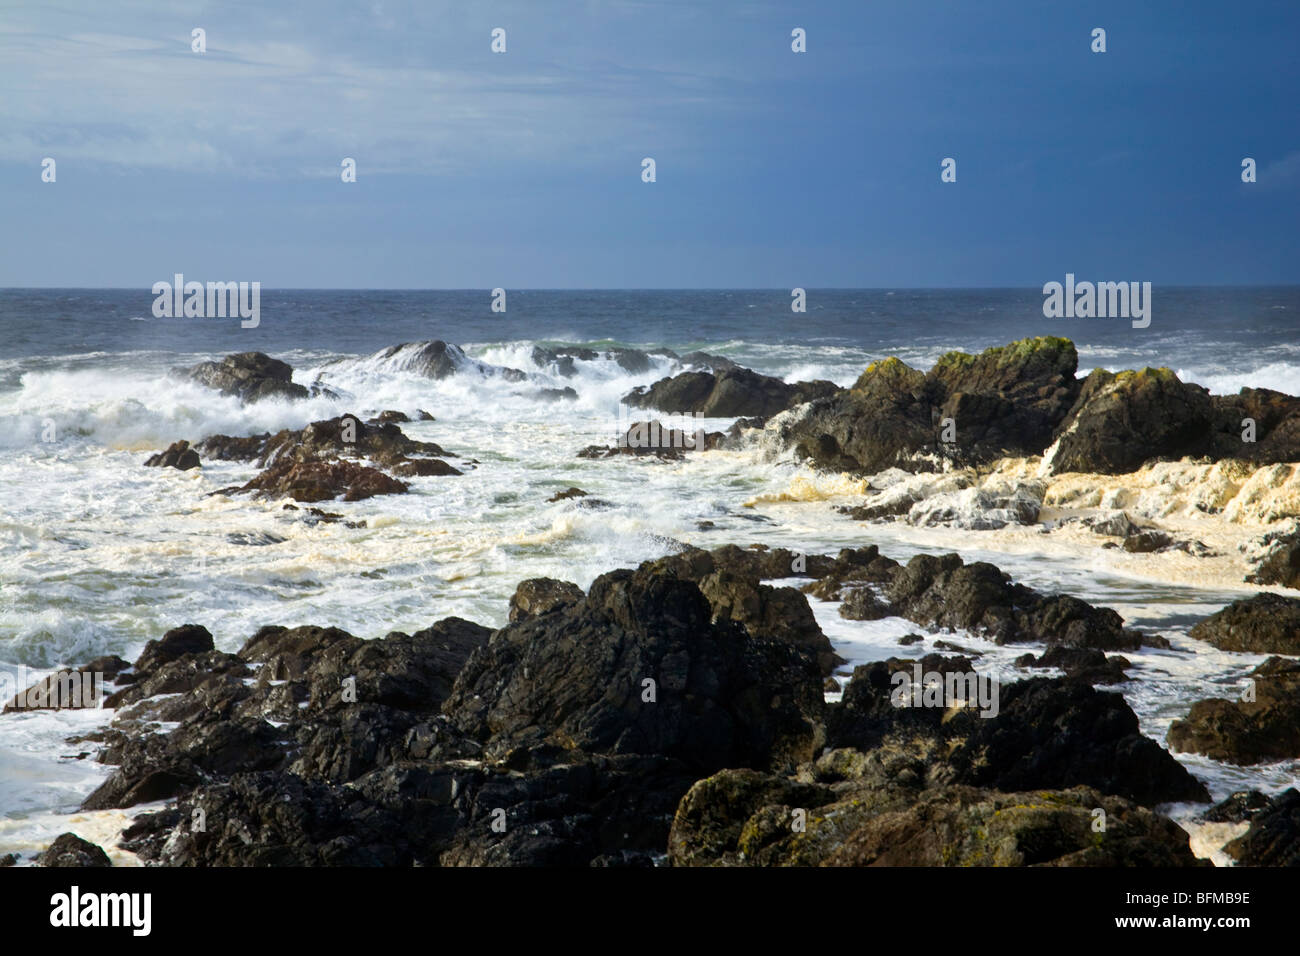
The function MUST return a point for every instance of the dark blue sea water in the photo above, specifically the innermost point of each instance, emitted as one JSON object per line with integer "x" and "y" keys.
{"x": 1209, "y": 330}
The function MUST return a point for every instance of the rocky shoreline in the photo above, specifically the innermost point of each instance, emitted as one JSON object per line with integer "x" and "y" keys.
{"x": 677, "y": 713}
{"x": 671, "y": 714}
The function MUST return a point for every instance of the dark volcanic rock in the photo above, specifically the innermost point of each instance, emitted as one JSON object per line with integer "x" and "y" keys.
{"x": 348, "y": 436}
{"x": 1085, "y": 664}
{"x": 1010, "y": 397}
{"x": 1237, "y": 808}
{"x": 1122, "y": 420}
{"x": 880, "y": 816}
{"x": 780, "y": 614}
{"x": 1264, "y": 624}
{"x": 538, "y": 596}
{"x": 1276, "y": 418}
{"x": 425, "y": 468}
{"x": 1046, "y": 733}
{"x": 577, "y": 678}
{"x": 178, "y": 455}
{"x": 232, "y": 448}
{"x": 186, "y": 639}
{"x": 1006, "y": 400}
{"x": 1274, "y": 835}
{"x": 656, "y": 439}
{"x": 435, "y": 359}
{"x": 730, "y": 393}
{"x": 343, "y": 707}
{"x": 566, "y": 494}
{"x": 249, "y": 376}
{"x": 1247, "y": 731}
{"x": 862, "y": 604}
{"x": 323, "y": 481}
{"x": 945, "y": 592}
{"x": 71, "y": 850}
{"x": 68, "y": 689}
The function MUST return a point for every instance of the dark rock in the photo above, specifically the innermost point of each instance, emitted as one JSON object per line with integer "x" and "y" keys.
{"x": 1045, "y": 734}
{"x": 1277, "y": 426}
{"x": 739, "y": 818}
{"x": 714, "y": 363}
{"x": 178, "y": 455}
{"x": 1116, "y": 525}
{"x": 657, "y": 439}
{"x": 436, "y": 359}
{"x": 1006, "y": 400}
{"x": 323, "y": 481}
{"x": 1080, "y": 663}
{"x": 186, "y": 639}
{"x": 250, "y": 377}
{"x": 945, "y": 592}
{"x": 1122, "y": 420}
{"x": 1247, "y": 731}
{"x": 345, "y": 436}
{"x": 1264, "y": 624}
{"x": 568, "y": 493}
{"x": 576, "y": 678}
{"x": 425, "y": 468}
{"x": 1274, "y": 835}
{"x": 1145, "y": 542}
{"x": 778, "y": 614}
{"x": 538, "y": 596}
{"x": 862, "y": 604}
{"x": 556, "y": 395}
{"x": 228, "y": 448}
{"x": 731, "y": 393}
{"x": 1239, "y": 807}
{"x": 68, "y": 849}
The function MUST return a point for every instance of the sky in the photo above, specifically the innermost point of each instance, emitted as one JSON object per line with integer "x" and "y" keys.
{"x": 523, "y": 169}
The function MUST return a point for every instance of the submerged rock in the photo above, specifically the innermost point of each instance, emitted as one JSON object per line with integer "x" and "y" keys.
{"x": 658, "y": 440}
{"x": 323, "y": 481}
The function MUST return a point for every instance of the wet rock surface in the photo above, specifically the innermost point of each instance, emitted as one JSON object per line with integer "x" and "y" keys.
{"x": 674, "y": 712}
{"x": 1274, "y": 835}
{"x": 70, "y": 850}
{"x": 1247, "y": 731}
{"x": 732, "y": 392}
{"x": 250, "y": 377}
{"x": 1264, "y": 624}
{"x": 178, "y": 455}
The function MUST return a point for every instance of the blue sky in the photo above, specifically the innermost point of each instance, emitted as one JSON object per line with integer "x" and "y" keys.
{"x": 774, "y": 169}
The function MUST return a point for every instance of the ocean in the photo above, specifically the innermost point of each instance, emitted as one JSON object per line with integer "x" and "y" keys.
{"x": 99, "y": 555}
